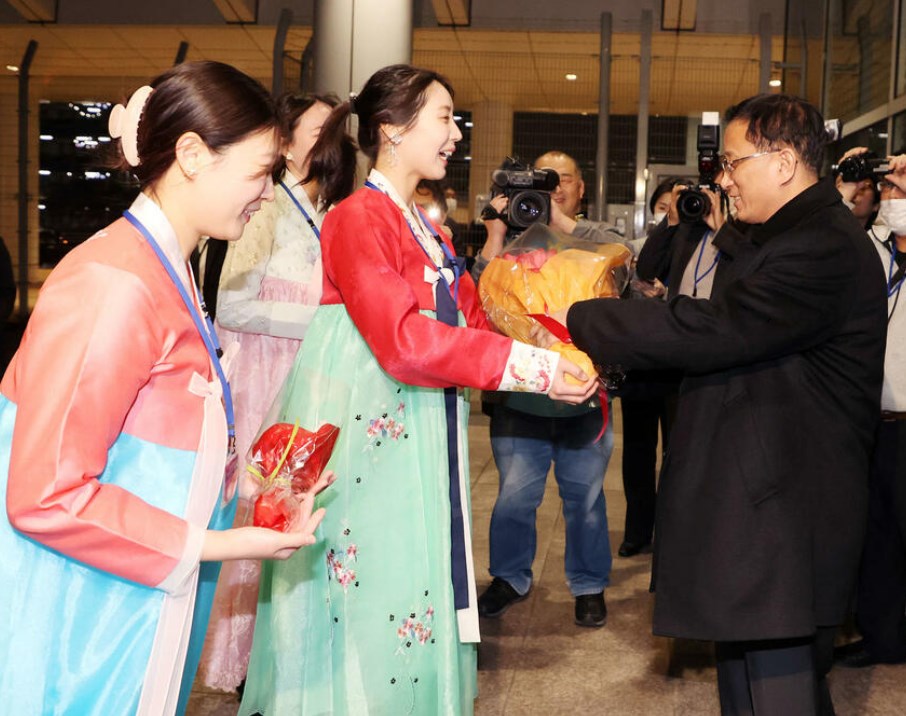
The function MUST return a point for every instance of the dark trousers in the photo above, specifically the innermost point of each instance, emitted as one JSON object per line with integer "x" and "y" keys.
{"x": 785, "y": 677}
{"x": 641, "y": 418}
{"x": 881, "y": 596}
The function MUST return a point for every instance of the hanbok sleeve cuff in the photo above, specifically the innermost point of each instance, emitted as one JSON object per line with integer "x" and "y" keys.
{"x": 529, "y": 369}
{"x": 180, "y": 579}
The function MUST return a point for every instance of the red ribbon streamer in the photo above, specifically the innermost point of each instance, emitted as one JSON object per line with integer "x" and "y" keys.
{"x": 561, "y": 333}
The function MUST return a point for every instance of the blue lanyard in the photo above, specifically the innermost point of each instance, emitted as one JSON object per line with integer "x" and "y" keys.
{"x": 895, "y": 289}
{"x": 205, "y": 327}
{"x": 701, "y": 252}
{"x": 453, "y": 265}
{"x": 302, "y": 209}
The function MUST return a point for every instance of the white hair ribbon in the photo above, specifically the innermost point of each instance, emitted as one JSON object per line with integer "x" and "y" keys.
{"x": 123, "y": 123}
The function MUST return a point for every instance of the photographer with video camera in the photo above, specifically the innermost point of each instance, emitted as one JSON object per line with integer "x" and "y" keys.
{"x": 550, "y": 193}
{"x": 527, "y": 434}
{"x": 881, "y": 590}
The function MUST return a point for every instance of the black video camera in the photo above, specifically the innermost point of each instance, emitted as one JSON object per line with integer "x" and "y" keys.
{"x": 693, "y": 205}
{"x": 867, "y": 165}
{"x": 528, "y": 192}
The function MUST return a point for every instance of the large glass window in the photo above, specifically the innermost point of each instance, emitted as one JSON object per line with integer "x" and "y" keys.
{"x": 859, "y": 49}
{"x": 575, "y": 134}
{"x": 80, "y": 192}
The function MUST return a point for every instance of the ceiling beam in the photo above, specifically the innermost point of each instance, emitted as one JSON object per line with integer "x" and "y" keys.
{"x": 453, "y": 13}
{"x": 238, "y": 10}
{"x": 36, "y": 10}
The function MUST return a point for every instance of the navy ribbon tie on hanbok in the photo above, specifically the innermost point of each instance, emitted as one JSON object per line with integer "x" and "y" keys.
{"x": 447, "y": 313}
{"x": 445, "y": 300}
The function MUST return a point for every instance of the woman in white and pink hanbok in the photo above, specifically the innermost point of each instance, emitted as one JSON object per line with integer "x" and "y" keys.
{"x": 270, "y": 288}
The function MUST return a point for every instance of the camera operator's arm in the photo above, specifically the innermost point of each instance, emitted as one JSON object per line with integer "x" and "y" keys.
{"x": 848, "y": 189}
{"x": 597, "y": 231}
{"x": 493, "y": 245}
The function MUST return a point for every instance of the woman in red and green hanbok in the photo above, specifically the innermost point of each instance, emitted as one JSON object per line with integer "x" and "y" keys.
{"x": 380, "y": 616}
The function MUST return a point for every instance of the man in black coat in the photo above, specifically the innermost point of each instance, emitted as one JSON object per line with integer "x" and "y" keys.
{"x": 762, "y": 502}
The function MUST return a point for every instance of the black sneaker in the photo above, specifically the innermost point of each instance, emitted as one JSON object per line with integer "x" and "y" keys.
{"x": 591, "y": 611}
{"x": 497, "y": 598}
{"x": 856, "y": 655}
{"x": 631, "y": 549}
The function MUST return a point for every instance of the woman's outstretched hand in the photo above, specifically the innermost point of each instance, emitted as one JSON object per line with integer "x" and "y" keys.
{"x": 265, "y": 543}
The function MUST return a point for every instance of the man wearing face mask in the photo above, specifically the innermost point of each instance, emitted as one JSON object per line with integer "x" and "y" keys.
{"x": 881, "y": 595}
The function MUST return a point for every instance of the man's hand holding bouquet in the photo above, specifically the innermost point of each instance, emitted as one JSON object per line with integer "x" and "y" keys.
{"x": 542, "y": 272}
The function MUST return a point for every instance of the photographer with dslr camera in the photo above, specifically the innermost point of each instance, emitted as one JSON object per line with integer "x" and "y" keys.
{"x": 881, "y": 590}
{"x": 527, "y": 435}
{"x": 679, "y": 256}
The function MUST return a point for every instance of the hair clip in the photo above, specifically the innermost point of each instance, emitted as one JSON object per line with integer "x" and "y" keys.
{"x": 123, "y": 123}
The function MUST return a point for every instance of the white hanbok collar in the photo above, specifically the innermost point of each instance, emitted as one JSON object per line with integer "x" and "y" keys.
{"x": 423, "y": 235}
{"x": 146, "y": 210}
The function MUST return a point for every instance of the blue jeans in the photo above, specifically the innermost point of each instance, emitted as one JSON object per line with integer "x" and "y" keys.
{"x": 524, "y": 446}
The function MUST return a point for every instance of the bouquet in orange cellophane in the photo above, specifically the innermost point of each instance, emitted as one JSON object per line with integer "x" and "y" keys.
{"x": 542, "y": 271}
{"x": 287, "y": 461}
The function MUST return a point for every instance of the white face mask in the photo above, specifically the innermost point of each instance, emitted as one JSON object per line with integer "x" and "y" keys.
{"x": 893, "y": 214}
{"x": 658, "y": 217}
{"x": 451, "y": 204}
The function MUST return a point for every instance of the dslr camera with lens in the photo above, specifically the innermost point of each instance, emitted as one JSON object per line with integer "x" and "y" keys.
{"x": 867, "y": 165}
{"x": 528, "y": 192}
{"x": 693, "y": 205}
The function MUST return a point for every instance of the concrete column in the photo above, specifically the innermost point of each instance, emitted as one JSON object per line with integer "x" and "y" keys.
{"x": 601, "y": 157}
{"x": 492, "y": 141}
{"x": 641, "y": 154}
{"x": 354, "y": 38}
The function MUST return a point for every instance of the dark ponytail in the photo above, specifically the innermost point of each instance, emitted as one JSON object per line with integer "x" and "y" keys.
{"x": 332, "y": 160}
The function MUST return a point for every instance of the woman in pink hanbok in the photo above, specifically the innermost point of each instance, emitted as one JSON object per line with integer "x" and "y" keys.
{"x": 269, "y": 289}
{"x": 116, "y": 417}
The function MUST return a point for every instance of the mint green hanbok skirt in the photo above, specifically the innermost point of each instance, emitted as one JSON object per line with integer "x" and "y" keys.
{"x": 363, "y": 622}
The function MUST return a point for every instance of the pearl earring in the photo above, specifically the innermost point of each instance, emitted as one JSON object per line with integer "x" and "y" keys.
{"x": 289, "y": 156}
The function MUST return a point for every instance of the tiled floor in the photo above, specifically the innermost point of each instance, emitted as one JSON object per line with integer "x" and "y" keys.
{"x": 534, "y": 660}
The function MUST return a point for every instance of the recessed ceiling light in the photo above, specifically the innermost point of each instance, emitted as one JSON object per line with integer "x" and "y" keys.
{"x": 12, "y": 68}
{"x": 775, "y": 83}
{"x": 571, "y": 77}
